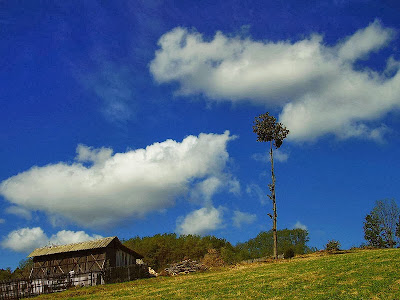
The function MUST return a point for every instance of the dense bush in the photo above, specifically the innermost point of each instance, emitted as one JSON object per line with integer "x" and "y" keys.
{"x": 332, "y": 245}
{"x": 213, "y": 258}
{"x": 289, "y": 253}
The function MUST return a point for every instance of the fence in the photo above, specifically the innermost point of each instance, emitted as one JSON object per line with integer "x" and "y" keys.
{"x": 24, "y": 288}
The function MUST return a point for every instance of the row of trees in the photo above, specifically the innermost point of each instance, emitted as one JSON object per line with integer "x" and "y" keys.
{"x": 22, "y": 271}
{"x": 382, "y": 224}
{"x": 163, "y": 249}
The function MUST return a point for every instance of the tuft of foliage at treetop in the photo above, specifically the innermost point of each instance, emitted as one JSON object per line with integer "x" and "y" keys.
{"x": 268, "y": 130}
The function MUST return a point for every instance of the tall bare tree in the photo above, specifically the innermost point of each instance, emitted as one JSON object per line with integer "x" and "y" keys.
{"x": 268, "y": 130}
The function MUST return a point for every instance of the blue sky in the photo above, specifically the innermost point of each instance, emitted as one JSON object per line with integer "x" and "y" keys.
{"x": 135, "y": 117}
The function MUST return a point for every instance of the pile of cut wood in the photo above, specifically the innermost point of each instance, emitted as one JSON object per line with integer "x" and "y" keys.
{"x": 184, "y": 267}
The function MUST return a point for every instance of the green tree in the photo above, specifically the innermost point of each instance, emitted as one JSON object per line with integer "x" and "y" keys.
{"x": 373, "y": 231}
{"x": 332, "y": 245}
{"x": 380, "y": 226}
{"x": 268, "y": 130}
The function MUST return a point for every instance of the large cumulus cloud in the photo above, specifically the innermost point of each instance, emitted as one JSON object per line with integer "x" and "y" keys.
{"x": 319, "y": 87}
{"x": 101, "y": 188}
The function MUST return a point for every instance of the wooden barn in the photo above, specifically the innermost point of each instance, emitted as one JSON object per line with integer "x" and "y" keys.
{"x": 92, "y": 256}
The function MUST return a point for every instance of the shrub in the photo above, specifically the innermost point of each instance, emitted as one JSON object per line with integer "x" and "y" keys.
{"x": 332, "y": 245}
{"x": 289, "y": 253}
{"x": 213, "y": 259}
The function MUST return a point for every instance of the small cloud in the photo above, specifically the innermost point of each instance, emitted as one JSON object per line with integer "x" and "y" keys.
{"x": 2, "y": 221}
{"x": 205, "y": 190}
{"x": 299, "y": 225}
{"x": 362, "y": 131}
{"x": 234, "y": 186}
{"x": 279, "y": 156}
{"x": 254, "y": 191}
{"x": 261, "y": 157}
{"x": 240, "y": 218}
{"x": 68, "y": 237}
{"x": 200, "y": 221}
{"x": 20, "y": 212}
{"x": 113, "y": 85}
{"x": 27, "y": 239}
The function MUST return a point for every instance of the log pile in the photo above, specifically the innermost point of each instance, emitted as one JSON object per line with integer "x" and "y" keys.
{"x": 184, "y": 267}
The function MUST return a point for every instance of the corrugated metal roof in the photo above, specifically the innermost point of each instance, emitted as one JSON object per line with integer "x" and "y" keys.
{"x": 99, "y": 243}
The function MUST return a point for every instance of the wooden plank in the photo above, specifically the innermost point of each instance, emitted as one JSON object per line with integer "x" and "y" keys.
{"x": 97, "y": 262}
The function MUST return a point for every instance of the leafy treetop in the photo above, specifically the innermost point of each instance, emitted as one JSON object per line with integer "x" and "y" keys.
{"x": 267, "y": 130}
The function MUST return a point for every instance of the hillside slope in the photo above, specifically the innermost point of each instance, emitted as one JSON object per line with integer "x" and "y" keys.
{"x": 367, "y": 274}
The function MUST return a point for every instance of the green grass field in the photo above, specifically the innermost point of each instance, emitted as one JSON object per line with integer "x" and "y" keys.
{"x": 360, "y": 274}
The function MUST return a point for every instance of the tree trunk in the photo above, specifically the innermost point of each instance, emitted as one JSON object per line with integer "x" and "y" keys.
{"x": 273, "y": 198}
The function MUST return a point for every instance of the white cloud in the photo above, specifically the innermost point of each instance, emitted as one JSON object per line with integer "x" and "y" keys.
{"x": 254, "y": 191}
{"x": 27, "y": 239}
{"x": 200, "y": 221}
{"x": 2, "y": 221}
{"x": 234, "y": 186}
{"x": 317, "y": 86}
{"x": 19, "y": 211}
{"x": 279, "y": 156}
{"x": 204, "y": 191}
{"x": 240, "y": 218}
{"x": 96, "y": 156}
{"x": 112, "y": 84}
{"x": 122, "y": 185}
{"x": 364, "y": 41}
{"x": 68, "y": 237}
{"x": 299, "y": 225}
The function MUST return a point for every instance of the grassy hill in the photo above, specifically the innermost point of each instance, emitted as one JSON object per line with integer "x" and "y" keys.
{"x": 360, "y": 274}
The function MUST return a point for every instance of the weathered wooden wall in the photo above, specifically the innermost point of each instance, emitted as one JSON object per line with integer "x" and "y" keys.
{"x": 63, "y": 263}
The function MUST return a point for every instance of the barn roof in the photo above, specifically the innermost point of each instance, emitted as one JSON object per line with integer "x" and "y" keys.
{"x": 95, "y": 244}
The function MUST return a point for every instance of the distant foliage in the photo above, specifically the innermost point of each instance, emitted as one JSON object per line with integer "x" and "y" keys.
{"x": 163, "y": 249}
{"x": 22, "y": 271}
{"x": 332, "y": 246}
{"x": 5, "y": 274}
{"x": 382, "y": 225}
{"x": 262, "y": 244}
{"x": 373, "y": 232}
